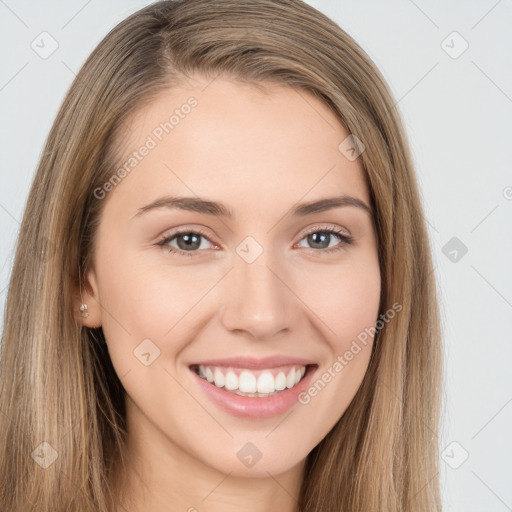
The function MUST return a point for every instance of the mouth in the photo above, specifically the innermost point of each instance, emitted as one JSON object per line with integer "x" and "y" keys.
{"x": 249, "y": 382}
{"x": 249, "y": 389}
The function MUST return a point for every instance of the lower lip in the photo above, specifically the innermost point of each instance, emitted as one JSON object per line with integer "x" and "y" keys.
{"x": 254, "y": 407}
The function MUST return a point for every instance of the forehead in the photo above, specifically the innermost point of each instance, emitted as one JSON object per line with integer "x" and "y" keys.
{"x": 229, "y": 139}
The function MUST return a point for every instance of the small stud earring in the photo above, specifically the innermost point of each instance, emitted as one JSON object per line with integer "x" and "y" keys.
{"x": 83, "y": 310}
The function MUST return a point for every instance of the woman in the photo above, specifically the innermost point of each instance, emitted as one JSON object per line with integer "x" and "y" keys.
{"x": 222, "y": 296}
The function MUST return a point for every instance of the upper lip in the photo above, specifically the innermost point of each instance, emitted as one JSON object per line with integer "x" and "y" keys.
{"x": 256, "y": 363}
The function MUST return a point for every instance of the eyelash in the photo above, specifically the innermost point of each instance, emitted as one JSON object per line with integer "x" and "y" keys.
{"x": 345, "y": 240}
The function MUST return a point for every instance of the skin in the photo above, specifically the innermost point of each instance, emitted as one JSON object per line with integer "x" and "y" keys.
{"x": 260, "y": 153}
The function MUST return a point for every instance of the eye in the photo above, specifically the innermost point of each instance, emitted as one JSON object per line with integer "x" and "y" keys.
{"x": 189, "y": 241}
{"x": 320, "y": 238}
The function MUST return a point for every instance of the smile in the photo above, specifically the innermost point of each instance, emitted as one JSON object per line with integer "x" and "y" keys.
{"x": 253, "y": 388}
{"x": 252, "y": 383}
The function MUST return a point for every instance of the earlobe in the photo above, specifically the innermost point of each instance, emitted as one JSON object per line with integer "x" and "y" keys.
{"x": 87, "y": 302}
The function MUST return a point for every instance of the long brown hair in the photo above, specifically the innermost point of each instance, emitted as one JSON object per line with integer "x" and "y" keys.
{"x": 60, "y": 396}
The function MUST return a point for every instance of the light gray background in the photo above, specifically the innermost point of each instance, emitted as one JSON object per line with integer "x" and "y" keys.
{"x": 458, "y": 114}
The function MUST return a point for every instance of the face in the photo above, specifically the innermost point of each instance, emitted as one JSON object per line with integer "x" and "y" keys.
{"x": 231, "y": 316}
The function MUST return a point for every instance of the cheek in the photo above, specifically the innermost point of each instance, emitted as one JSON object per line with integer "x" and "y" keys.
{"x": 135, "y": 305}
{"x": 142, "y": 300}
{"x": 346, "y": 299}
{"x": 348, "y": 306}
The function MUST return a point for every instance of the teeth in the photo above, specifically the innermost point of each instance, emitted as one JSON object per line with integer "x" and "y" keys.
{"x": 254, "y": 384}
{"x": 231, "y": 381}
{"x": 280, "y": 381}
{"x": 247, "y": 382}
{"x": 290, "y": 379}
{"x": 218, "y": 377}
{"x": 266, "y": 383}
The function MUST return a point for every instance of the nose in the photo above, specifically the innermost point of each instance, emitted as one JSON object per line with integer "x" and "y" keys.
{"x": 258, "y": 301}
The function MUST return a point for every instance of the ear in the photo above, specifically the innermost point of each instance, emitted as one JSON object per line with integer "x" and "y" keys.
{"x": 89, "y": 295}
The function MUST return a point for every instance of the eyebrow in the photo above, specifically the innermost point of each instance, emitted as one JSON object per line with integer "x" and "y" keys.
{"x": 217, "y": 209}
